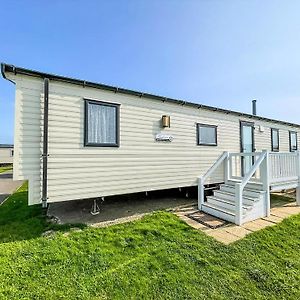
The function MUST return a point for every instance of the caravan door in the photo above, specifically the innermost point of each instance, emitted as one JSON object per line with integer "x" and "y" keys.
{"x": 247, "y": 145}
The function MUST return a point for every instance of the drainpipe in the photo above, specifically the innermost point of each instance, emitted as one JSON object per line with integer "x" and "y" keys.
{"x": 45, "y": 143}
{"x": 254, "y": 107}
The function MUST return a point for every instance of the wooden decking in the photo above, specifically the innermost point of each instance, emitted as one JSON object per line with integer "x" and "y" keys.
{"x": 245, "y": 195}
{"x": 229, "y": 232}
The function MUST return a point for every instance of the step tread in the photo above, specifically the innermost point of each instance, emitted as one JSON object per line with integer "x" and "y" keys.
{"x": 233, "y": 194}
{"x": 245, "y": 206}
{"x": 247, "y": 189}
{"x": 220, "y": 209}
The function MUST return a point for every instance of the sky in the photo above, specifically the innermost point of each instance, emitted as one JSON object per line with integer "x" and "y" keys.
{"x": 215, "y": 52}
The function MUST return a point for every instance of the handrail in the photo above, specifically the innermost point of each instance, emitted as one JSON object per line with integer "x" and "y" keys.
{"x": 201, "y": 179}
{"x": 218, "y": 162}
{"x": 243, "y": 154}
{"x": 239, "y": 187}
{"x": 248, "y": 176}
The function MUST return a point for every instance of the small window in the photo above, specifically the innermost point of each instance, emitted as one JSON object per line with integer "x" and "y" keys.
{"x": 101, "y": 124}
{"x": 293, "y": 141}
{"x": 274, "y": 140}
{"x": 206, "y": 135}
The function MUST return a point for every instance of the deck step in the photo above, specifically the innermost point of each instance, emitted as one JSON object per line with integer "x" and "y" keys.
{"x": 247, "y": 191}
{"x": 231, "y": 197}
{"x": 257, "y": 186}
{"x": 226, "y": 204}
{"x": 218, "y": 212}
{"x": 222, "y": 203}
{"x": 254, "y": 186}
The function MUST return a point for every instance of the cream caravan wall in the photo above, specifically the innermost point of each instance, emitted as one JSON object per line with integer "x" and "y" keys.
{"x": 139, "y": 164}
{"x": 6, "y": 156}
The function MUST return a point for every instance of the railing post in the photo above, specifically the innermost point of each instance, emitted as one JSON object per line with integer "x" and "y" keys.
{"x": 265, "y": 174}
{"x": 238, "y": 203}
{"x": 298, "y": 171}
{"x": 226, "y": 168}
{"x": 200, "y": 192}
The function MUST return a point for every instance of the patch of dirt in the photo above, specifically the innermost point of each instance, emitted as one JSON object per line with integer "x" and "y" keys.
{"x": 115, "y": 211}
{"x": 48, "y": 233}
{"x": 73, "y": 229}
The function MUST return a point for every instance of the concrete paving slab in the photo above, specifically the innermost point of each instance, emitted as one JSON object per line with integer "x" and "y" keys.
{"x": 194, "y": 223}
{"x": 289, "y": 209}
{"x": 230, "y": 233}
{"x": 257, "y": 225}
{"x": 280, "y": 214}
{"x": 223, "y": 236}
{"x": 273, "y": 219}
{"x": 237, "y": 231}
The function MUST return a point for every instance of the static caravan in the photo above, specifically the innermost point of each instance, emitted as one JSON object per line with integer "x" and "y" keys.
{"x": 6, "y": 154}
{"x": 76, "y": 139}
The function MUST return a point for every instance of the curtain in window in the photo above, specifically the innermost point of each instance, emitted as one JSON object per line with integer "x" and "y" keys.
{"x": 293, "y": 141}
{"x": 101, "y": 124}
{"x": 275, "y": 139}
{"x": 207, "y": 135}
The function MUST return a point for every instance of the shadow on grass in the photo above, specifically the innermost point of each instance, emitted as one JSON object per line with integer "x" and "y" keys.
{"x": 18, "y": 221}
{"x": 280, "y": 200}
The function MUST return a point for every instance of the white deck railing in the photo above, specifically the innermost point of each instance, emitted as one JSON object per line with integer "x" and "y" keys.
{"x": 237, "y": 160}
{"x": 283, "y": 166}
{"x": 264, "y": 167}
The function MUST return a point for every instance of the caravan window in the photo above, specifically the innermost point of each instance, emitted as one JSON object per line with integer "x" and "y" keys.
{"x": 101, "y": 128}
{"x": 206, "y": 135}
{"x": 274, "y": 140}
{"x": 293, "y": 141}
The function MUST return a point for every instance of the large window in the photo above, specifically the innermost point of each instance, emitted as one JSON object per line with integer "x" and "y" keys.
{"x": 206, "y": 135}
{"x": 274, "y": 140}
{"x": 293, "y": 141}
{"x": 101, "y": 124}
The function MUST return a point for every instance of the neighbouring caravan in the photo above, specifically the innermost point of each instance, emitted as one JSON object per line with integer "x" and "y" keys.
{"x": 76, "y": 139}
{"x": 6, "y": 154}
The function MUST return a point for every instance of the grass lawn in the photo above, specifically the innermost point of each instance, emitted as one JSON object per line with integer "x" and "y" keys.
{"x": 158, "y": 257}
{"x": 6, "y": 168}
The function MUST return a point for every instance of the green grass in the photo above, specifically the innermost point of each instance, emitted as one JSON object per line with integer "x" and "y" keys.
{"x": 158, "y": 257}
{"x": 5, "y": 168}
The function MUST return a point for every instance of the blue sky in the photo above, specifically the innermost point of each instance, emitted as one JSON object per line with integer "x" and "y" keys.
{"x": 216, "y": 52}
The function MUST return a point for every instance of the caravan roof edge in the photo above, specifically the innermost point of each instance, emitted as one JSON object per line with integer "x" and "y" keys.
{"x": 7, "y": 68}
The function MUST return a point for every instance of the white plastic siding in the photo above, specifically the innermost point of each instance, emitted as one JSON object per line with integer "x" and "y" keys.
{"x": 139, "y": 164}
{"x": 27, "y": 137}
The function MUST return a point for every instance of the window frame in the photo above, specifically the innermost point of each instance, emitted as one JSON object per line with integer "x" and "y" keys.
{"x": 273, "y": 149}
{"x": 208, "y": 126}
{"x": 102, "y": 103}
{"x": 290, "y": 140}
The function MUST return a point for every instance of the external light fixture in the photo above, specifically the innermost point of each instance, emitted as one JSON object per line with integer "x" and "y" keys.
{"x": 165, "y": 121}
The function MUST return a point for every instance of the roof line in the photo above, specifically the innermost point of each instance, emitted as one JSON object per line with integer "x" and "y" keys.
{"x": 6, "y": 68}
{"x": 6, "y": 145}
